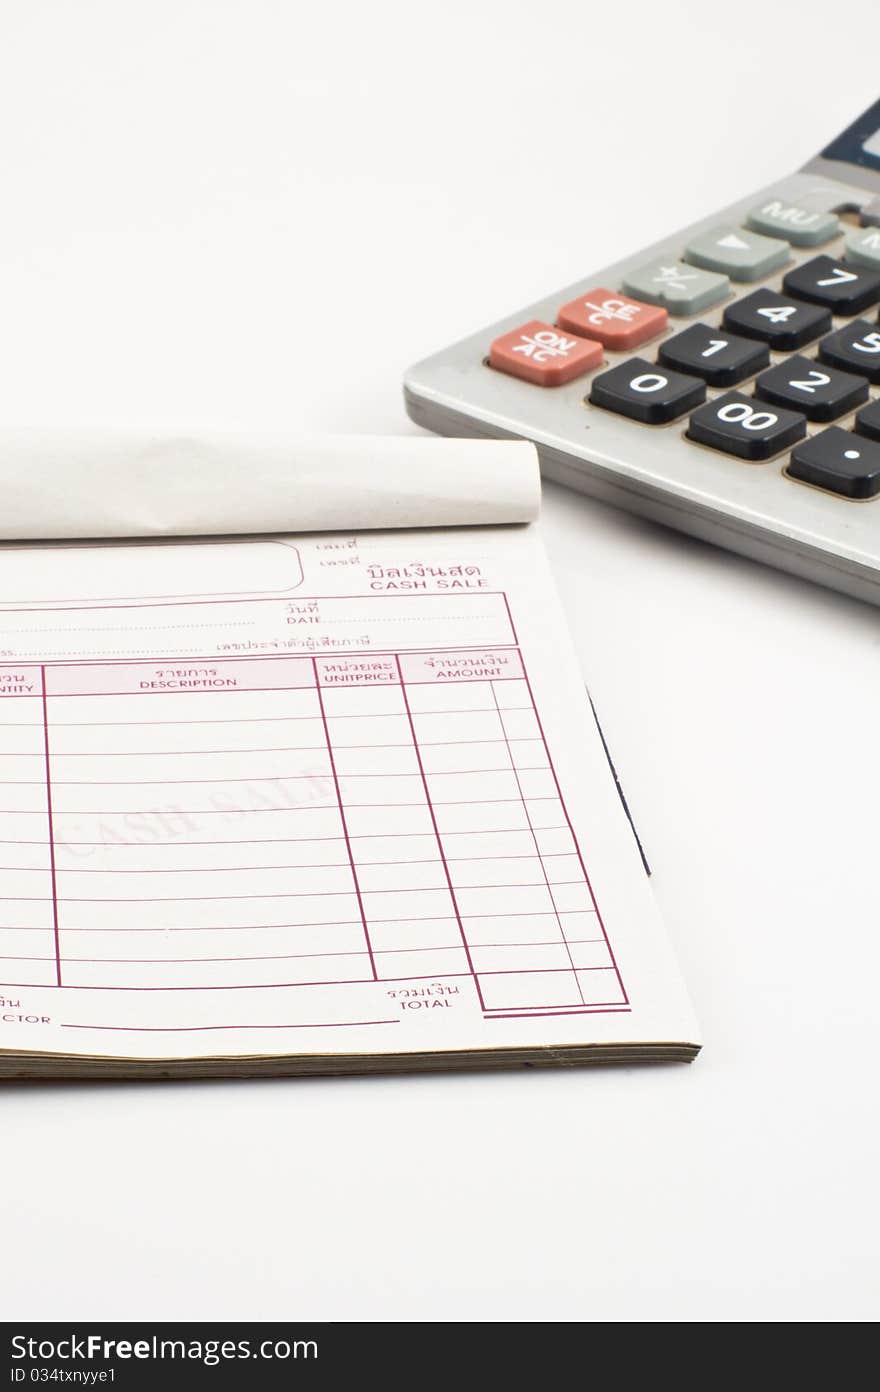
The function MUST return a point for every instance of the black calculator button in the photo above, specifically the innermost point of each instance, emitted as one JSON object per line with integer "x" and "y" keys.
{"x": 822, "y": 393}
{"x": 839, "y": 286}
{"x": 745, "y": 427}
{"x": 720, "y": 358}
{"x": 783, "y": 323}
{"x": 868, "y": 421}
{"x": 839, "y": 461}
{"x": 647, "y": 393}
{"x": 854, "y": 349}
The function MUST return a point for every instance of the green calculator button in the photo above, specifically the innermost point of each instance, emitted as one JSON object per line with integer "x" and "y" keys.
{"x": 863, "y": 248}
{"x": 737, "y": 252}
{"x": 679, "y": 288}
{"x": 800, "y": 226}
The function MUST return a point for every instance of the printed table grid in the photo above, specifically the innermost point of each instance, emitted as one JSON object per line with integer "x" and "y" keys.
{"x": 370, "y": 818}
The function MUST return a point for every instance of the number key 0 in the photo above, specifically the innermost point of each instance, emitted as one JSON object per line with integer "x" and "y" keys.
{"x": 645, "y": 393}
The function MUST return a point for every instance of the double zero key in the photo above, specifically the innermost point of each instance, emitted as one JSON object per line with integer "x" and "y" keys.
{"x": 653, "y": 395}
{"x": 740, "y": 425}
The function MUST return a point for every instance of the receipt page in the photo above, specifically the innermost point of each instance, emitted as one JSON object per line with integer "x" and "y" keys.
{"x": 324, "y": 794}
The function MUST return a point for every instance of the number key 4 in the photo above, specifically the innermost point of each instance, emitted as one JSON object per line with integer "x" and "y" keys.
{"x": 775, "y": 319}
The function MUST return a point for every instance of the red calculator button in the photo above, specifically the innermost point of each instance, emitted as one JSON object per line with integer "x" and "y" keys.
{"x": 539, "y": 353}
{"x": 616, "y": 320}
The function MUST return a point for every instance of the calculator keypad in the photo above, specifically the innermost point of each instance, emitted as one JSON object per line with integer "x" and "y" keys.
{"x": 840, "y": 286}
{"x": 805, "y": 306}
{"x": 737, "y": 252}
{"x": 739, "y": 425}
{"x": 646, "y": 393}
{"x": 614, "y": 319}
{"x": 679, "y": 288}
{"x": 778, "y": 320}
{"x": 822, "y": 393}
{"x": 721, "y": 359}
{"x": 839, "y": 461}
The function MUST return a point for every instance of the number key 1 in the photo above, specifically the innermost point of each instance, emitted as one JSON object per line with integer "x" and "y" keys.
{"x": 720, "y": 358}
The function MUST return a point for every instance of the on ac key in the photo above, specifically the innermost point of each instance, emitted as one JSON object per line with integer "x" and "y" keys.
{"x": 539, "y": 353}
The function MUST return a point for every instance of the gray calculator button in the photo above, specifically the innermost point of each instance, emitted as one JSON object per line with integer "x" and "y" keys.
{"x": 679, "y": 288}
{"x": 863, "y": 247}
{"x": 869, "y": 213}
{"x": 739, "y": 253}
{"x": 800, "y": 226}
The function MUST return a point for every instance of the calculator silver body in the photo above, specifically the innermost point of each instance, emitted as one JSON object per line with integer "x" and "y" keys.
{"x": 750, "y": 508}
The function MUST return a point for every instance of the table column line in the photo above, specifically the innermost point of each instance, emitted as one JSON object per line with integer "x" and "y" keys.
{"x": 574, "y": 838}
{"x": 437, "y": 836}
{"x": 354, "y": 874}
{"x": 515, "y": 772}
{"x": 52, "y": 869}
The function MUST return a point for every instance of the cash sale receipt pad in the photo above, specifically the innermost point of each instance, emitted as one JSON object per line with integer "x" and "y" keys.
{"x": 313, "y": 802}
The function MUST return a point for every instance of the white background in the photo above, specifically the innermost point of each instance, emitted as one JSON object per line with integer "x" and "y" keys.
{"x": 241, "y": 212}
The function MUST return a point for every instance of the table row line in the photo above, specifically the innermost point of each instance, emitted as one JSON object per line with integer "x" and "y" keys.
{"x": 294, "y": 880}
{"x": 168, "y": 820}
{"x": 228, "y": 856}
{"x": 319, "y": 786}
{"x": 229, "y": 910}
{"x": 522, "y": 988}
{"x": 29, "y": 768}
{"x": 327, "y": 938}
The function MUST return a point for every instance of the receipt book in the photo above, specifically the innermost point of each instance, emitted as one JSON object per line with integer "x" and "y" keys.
{"x": 299, "y": 774}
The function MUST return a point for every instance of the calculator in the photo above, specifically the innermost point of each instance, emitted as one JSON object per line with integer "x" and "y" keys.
{"x": 724, "y": 381}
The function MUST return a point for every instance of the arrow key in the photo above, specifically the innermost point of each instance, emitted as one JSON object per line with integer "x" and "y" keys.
{"x": 737, "y": 252}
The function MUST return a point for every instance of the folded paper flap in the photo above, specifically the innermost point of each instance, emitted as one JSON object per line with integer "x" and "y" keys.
{"x": 124, "y": 484}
